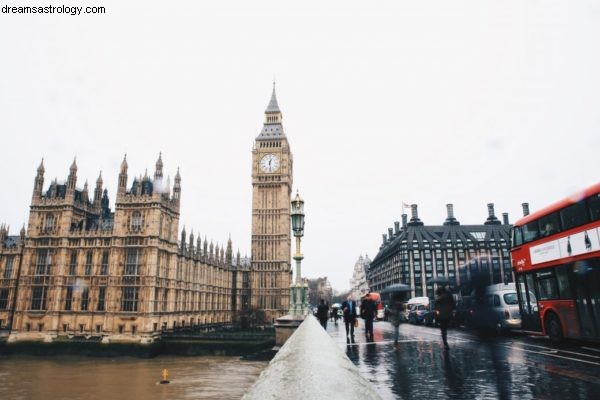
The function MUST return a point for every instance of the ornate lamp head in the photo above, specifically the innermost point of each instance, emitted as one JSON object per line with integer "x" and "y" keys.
{"x": 298, "y": 216}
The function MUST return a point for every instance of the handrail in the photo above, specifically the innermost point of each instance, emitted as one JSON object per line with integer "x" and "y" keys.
{"x": 310, "y": 365}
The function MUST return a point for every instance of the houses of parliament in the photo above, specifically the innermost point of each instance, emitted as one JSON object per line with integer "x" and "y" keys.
{"x": 79, "y": 269}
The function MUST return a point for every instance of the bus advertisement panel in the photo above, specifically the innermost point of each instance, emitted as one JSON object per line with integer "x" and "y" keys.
{"x": 555, "y": 255}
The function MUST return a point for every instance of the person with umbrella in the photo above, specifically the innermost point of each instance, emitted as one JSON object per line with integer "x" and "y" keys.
{"x": 397, "y": 297}
{"x": 334, "y": 312}
{"x": 396, "y": 309}
{"x": 444, "y": 304}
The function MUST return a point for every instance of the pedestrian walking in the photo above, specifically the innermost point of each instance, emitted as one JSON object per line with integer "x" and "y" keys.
{"x": 485, "y": 321}
{"x": 349, "y": 310}
{"x": 367, "y": 312}
{"x": 395, "y": 318}
{"x": 323, "y": 314}
{"x": 444, "y": 305}
{"x": 334, "y": 312}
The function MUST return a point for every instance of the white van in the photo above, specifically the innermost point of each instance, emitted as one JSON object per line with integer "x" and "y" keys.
{"x": 414, "y": 303}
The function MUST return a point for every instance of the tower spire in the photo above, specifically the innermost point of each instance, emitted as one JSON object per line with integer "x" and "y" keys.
{"x": 158, "y": 174}
{"x": 41, "y": 168}
{"x": 272, "y": 128}
{"x": 177, "y": 187}
{"x": 72, "y": 179}
{"x": 38, "y": 182}
{"x": 98, "y": 191}
{"x": 273, "y": 106}
{"x": 123, "y": 176}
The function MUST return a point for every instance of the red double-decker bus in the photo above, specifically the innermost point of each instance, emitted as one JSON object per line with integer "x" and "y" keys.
{"x": 556, "y": 259}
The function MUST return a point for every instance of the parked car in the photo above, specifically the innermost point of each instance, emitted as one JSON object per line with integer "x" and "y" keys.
{"x": 463, "y": 312}
{"x": 501, "y": 307}
{"x": 430, "y": 318}
{"x": 417, "y": 313}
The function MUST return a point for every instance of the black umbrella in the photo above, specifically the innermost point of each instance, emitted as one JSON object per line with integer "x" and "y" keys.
{"x": 441, "y": 280}
{"x": 396, "y": 288}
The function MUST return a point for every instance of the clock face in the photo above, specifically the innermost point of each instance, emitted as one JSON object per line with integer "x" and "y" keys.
{"x": 269, "y": 163}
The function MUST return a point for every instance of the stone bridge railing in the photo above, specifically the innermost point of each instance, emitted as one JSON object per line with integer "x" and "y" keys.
{"x": 310, "y": 365}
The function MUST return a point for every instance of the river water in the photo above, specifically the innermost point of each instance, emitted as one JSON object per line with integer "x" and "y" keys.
{"x": 71, "y": 378}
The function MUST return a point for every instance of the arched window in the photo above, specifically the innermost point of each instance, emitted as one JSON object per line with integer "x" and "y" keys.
{"x": 50, "y": 222}
{"x": 136, "y": 221}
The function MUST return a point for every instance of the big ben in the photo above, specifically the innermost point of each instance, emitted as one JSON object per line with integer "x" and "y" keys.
{"x": 271, "y": 194}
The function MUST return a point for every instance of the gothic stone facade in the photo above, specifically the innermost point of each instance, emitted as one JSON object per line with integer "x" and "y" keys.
{"x": 84, "y": 271}
{"x": 271, "y": 194}
{"x": 358, "y": 283}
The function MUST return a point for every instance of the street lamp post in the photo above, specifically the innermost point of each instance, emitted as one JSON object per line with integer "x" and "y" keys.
{"x": 298, "y": 289}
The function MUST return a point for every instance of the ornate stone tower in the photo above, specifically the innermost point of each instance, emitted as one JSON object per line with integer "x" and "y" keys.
{"x": 271, "y": 239}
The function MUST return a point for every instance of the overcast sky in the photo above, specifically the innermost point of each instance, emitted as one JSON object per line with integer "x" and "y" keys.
{"x": 426, "y": 102}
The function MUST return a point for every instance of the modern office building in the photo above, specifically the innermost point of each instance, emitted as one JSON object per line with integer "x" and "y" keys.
{"x": 413, "y": 253}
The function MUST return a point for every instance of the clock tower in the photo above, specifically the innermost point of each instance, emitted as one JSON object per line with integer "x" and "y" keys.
{"x": 271, "y": 273}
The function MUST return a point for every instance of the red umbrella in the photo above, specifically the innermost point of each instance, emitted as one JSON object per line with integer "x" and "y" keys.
{"x": 373, "y": 296}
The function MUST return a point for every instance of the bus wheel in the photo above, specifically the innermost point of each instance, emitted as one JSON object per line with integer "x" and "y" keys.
{"x": 553, "y": 328}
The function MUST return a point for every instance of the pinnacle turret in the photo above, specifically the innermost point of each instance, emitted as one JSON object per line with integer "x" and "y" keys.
{"x": 123, "y": 176}
{"x": 72, "y": 179}
{"x": 158, "y": 173}
{"x": 38, "y": 182}
{"x": 177, "y": 187}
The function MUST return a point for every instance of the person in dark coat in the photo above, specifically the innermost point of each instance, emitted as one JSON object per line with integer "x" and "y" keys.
{"x": 444, "y": 304}
{"x": 367, "y": 312}
{"x": 395, "y": 315}
{"x": 349, "y": 309}
{"x": 323, "y": 314}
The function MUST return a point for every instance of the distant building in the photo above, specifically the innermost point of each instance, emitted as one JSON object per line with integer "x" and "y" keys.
{"x": 414, "y": 253}
{"x": 358, "y": 283}
{"x": 318, "y": 289}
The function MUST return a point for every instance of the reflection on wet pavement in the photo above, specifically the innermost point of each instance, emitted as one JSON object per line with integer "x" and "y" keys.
{"x": 507, "y": 367}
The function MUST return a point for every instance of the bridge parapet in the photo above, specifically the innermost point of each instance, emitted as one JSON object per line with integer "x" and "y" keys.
{"x": 310, "y": 365}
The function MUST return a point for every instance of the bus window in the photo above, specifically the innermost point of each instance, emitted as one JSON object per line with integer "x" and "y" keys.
{"x": 530, "y": 231}
{"x": 574, "y": 215}
{"x": 549, "y": 224}
{"x": 562, "y": 279}
{"x": 593, "y": 203}
{"x": 547, "y": 285}
{"x": 517, "y": 237}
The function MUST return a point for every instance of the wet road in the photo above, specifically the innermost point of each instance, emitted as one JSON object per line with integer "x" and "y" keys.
{"x": 517, "y": 367}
